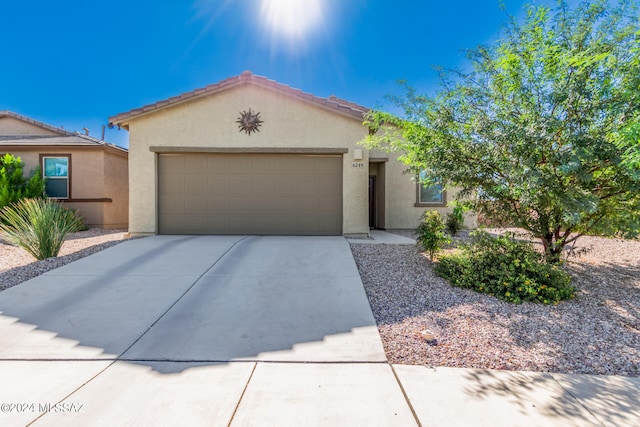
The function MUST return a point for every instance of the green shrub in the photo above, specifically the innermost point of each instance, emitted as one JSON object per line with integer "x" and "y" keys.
{"x": 39, "y": 226}
{"x": 431, "y": 234}
{"x": 507, "y": 268}
{"x": 455, "y": 220}
{"x": 13, "y": 185}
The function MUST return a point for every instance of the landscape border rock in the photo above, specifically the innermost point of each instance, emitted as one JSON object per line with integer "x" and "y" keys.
{"x": 598, "y": 332}
{"x": 17, "y": 266}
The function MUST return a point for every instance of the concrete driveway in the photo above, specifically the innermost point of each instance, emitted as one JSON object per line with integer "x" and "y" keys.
{"x": 169, "y": 329}
{"x": 247, "y": 331}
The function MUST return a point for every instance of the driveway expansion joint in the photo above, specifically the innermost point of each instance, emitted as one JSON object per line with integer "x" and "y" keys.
{"x": 406, "y": 397}
{"x": 244, "y": 391}
{"x": 183, "y": 294}
{"x": 576, "y": 399}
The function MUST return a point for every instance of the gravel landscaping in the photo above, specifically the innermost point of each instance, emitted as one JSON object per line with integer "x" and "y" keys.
{"x": 598, "y": 332}
{"x": 17, "y": 266}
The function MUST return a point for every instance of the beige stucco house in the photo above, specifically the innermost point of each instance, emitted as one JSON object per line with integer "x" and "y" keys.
{"x": 249, "y": 155}
{"x": 86, "y": 174}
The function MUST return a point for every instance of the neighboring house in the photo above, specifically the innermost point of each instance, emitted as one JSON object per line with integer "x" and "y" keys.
{"x": 249, "y": 155}
{"x": 86, "y": 174}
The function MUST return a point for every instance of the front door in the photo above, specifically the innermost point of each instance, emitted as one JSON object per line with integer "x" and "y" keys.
{"x": 372, "y": 202}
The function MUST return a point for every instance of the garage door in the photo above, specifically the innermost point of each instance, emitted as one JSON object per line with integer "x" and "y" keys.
{"x": 250, "y": 194}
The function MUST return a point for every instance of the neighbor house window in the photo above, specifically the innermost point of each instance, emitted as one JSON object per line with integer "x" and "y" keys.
{"x": 56, "y": 173}
{"x": 429, "y": 194}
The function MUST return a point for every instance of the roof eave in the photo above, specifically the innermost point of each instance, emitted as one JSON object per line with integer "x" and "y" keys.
{"x": 331, "y": 104}
{"x": 8, "y": 113}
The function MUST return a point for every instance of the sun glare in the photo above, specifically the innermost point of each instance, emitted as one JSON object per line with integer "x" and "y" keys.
{"x": 292, "y": 18}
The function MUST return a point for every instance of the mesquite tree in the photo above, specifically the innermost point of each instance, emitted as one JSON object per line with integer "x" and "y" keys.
{"x": 543, "y": 132}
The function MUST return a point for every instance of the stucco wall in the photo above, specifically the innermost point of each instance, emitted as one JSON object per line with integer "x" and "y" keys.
{"x": 12, "y": 126}
{"x": 88, "y": 181}
{"x": 401, "y": 196}
{"x": 87, "y": 168}
{"x": 92, "y": 212}
{"x": 30, "y": 159}
{"x": 116, "y": 187}
{"x": 211, "y": 122}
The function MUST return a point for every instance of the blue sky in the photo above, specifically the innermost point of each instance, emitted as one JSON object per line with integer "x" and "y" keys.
{"x": 75, "y": 63}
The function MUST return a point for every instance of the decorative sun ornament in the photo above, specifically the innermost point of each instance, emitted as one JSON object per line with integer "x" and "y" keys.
{"x": 249, "y": 122}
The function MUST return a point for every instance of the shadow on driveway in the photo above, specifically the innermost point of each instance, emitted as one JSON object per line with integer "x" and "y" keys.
{"x": 196, "y": 299}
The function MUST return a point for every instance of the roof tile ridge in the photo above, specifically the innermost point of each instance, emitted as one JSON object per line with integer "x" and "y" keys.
{"x": 38, "y": 123}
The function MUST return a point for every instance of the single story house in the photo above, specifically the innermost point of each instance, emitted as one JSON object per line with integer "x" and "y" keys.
{"x": 86, "y": 174}
{"x": 249, "y": 155}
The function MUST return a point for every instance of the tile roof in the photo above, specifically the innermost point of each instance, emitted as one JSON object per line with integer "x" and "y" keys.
{"x": 63, "y": 137}
{"x": 7, "y": 113}
{"x": 333, "y": 103}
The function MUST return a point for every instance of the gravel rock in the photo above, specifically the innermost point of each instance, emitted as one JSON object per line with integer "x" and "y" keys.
{"x": 598, "y": 332}
{"x": 17, "y": 265}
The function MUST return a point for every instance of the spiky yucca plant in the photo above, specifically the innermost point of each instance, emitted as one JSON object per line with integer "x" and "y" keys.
{"x": 39, "y": 226}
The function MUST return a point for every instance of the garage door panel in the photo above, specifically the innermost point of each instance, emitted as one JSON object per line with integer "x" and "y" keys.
{"x": 310, "y": 164}
{"x": 216, "y": 224}
{"x": 195, "y": 183}
{"x": 312, "y": 205}
{"x": 214, "y": 165}
{"x": 266, "y": 203}
{"x": 263, "y": 184}
{"x": 184, "y": 223}
{"x": 306, "y": 164}
{"x": 218, "y": 183}
{"x": 309, "y": 204}
{"x": 272, "y": 223}
{"x": 266, "y": 166}
{"x": 195, "y": 223}
{"x": 240, "y": 205}
{"x": 238, "y": 164}
{"x": 171, "y": 203}
{"x": 196, "y": 164}
{"x": 216, "y": 205}
{"x": 240, "y": 184}
{"x": 172, "y": 222}
{"x": 322, "y": 225}
{"x": 316, "y": 184}
{"x": 329, "y": 204}
{"x": 285, "y": 184}
{"x": 235, "y": 224}
{"x": 172, "y": 163}
{"x": 250, "y": 194}
{"x": 174, "y": 183}
{"x": 195, "y": 203}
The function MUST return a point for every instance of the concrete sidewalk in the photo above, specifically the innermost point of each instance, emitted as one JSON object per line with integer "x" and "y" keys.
{"x": 119, "y": 393}
{"x": 248, "y": 331}
{"x": 378, "y": 237}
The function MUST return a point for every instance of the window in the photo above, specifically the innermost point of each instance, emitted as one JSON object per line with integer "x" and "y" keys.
{"x": 429, "y": 194}
{"x": 56, "y": 173}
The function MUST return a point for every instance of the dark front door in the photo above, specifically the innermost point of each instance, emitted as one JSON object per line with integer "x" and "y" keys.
{"x": 372, "y": 201}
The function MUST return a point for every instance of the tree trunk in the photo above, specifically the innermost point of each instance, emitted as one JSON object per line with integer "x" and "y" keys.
{"x": 553, "y": 246}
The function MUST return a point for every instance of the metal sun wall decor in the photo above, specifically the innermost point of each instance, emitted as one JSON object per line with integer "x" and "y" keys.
{"x": 249, "y": 122}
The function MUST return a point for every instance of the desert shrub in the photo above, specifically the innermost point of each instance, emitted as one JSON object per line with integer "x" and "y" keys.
{"x": 455, "y": 220}
{"x": 13, "y": 185}
{"x": 507, "y": 268}
{"x": 431, "y": 234}
{"x": 39, "y": 226}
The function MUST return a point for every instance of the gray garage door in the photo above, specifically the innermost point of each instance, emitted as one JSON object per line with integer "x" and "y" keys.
{"x": 250, "y": 194}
